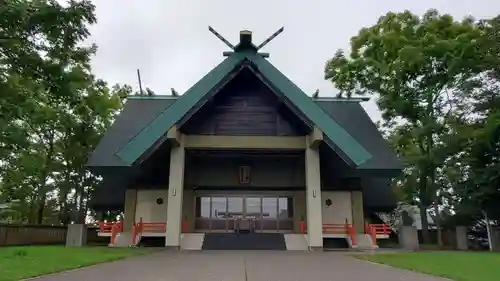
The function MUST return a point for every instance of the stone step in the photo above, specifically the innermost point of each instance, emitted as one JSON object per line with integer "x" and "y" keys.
{"x": 192, "y": 241}
{"x": 296, "y": 242}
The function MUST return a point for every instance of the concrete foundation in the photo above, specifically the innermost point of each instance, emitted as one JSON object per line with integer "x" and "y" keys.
{"x": 76, "y": 235}
{"x": 461, "y": 238}
{"x": 408, "y": 238}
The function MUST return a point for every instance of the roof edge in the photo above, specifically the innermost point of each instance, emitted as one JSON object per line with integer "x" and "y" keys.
{"x": 144, "y": 97}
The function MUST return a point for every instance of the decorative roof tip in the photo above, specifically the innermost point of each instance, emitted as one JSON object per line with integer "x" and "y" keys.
{"x": 245, "y": 39}
{"x": 245, "y": 43}
{"x": 316, "y": 94}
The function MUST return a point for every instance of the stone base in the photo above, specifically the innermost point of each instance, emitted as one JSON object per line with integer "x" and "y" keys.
{"x": 76, "y": 235}
{"x": 495, "y": 238}
{"x": 461, "y": 237}
{"x": 316, "y": 248}
{"x": 408, "y": 238}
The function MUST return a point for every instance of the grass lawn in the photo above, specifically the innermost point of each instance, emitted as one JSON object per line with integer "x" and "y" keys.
{"x": 459, "y": 266}
{"x": 28, "y": 261}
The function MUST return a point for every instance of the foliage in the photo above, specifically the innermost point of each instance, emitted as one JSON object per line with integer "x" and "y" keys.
{"x": 53, "y": 109}
{"x": 426, "y": 72}
{"x": 462, "y": 266}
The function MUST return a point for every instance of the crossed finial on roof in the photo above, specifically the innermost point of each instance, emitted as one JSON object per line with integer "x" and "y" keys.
{"x": 245, "y": 41}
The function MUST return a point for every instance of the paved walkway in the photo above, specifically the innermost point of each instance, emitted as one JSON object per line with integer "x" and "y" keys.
{"x": 240, "y": 266}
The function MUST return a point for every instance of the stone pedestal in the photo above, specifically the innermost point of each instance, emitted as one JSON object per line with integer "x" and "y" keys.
{"x": 408, "y": 238}
{"x": 495, "y": 238}
{"x": 76, "y": 235}
{"x": 461, "y": 238}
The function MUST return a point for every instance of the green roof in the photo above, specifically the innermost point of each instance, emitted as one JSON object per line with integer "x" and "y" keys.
{"x": 339, "y": 138}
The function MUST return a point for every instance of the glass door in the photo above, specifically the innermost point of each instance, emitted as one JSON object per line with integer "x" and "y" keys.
{"x": 253, "y": 212}
{"x": 218, "y": 214}
{"x": 234, "y": 211}
{"x": 269, "y": 214}
{"x": 285, "y": 213}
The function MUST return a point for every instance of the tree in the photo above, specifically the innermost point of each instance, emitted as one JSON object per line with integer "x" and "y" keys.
{"x": 53, "y": 109}
{"x": 414, "y": 65}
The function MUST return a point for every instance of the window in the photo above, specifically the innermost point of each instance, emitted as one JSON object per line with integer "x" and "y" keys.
{"x": 244, "y": 174}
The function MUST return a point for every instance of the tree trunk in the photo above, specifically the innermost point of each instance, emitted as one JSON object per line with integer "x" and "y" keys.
{"x": 80, "y": 194}
{"x": 64, "y": 215}
{"x": 42, "y": 191}
{"x": 425, "y": 224}
{"x": 32, "y": 207}
{"x": 437, "y": 221}
{"x": 41, "y": 209}
{"x": 427, "y": 171}
{"x": 423, "y": 204}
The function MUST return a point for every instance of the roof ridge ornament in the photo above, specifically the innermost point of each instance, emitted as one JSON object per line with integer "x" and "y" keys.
{"x": 245, "y": 43}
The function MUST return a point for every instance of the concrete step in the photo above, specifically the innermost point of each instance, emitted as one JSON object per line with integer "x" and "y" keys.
{"x": 296, "y": 242}
{"x": 192, "y": 241}
{"x": 123, "y": 239}
{"x": 364, "y": 242}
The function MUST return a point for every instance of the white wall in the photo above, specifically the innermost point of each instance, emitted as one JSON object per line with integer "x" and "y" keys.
{"x": 148, "y": 209}
{"x": 340, "y": 209}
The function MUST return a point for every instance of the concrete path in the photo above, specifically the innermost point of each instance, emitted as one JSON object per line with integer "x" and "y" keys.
{"x": 240, "y": 266}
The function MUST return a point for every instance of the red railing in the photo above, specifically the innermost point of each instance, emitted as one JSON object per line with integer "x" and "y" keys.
{"x": 381, "y": 229}
{"x": 185, "y": 226}
{"x": 149, "y": 227}
{"x": 377, "y": 229}
{"x": 106, "y": 227}
{"x": 302, "y": 227}
{"x": 338, "y": 228}
{"x": 351, "y": 232}
{"x": 113, "y": 227}
{"x": 334, "y": 228}
{"x": 370, "y": 230}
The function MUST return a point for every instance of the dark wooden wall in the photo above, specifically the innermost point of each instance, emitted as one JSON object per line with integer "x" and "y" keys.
{"x": 268, "y": 172}
{"x": 333, "y": 169}
{"x": 245, "y": 106}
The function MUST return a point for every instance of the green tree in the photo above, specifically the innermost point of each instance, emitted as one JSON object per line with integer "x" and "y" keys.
{"x": 53, "y": 109}
{"x": 414, "y": 64}
{"x": 479, "y": 159}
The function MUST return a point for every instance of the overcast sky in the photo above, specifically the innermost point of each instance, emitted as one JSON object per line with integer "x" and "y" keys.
{"x": 169, "y": 41}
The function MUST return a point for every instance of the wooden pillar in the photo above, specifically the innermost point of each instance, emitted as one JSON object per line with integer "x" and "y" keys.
{"x": 129, "y": 209}
{"x": 313, "y": 199}
{"x": 175, "y": 197}
{"x": 188, "y": 209}
{"x": 358, "y": 216}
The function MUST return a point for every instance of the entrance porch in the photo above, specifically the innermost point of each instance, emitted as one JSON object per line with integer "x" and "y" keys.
{"x": 218, "y": 198}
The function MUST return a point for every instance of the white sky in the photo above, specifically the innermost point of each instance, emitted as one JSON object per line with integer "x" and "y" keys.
{"x": 170, "y": 43}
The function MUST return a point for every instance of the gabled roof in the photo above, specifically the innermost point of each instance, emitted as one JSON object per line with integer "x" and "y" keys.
{"x": 137, "y": 113}
{"x": 336, "y": 136}
{"x": 142, "y": 110}
{"x": 352, "y": 116}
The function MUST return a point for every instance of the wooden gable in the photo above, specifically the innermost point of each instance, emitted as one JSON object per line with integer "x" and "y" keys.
{"x": 245, "y": 107}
